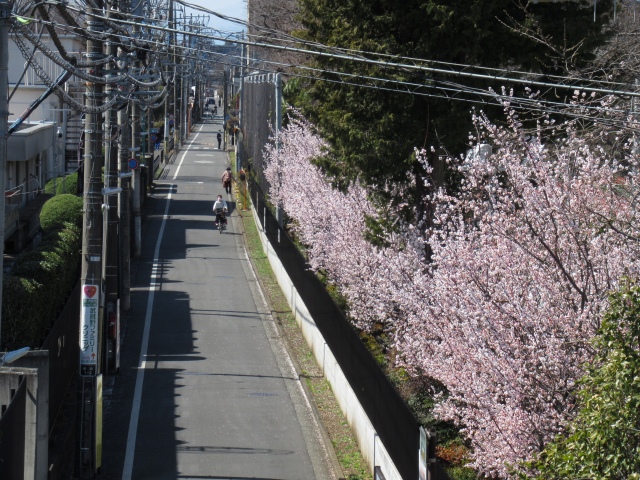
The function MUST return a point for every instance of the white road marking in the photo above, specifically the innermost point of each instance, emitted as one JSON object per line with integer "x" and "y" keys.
{"x": 175, "y": 175}
{"x": 127, "y": 470}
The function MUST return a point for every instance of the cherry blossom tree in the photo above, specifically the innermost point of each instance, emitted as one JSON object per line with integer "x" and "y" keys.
{"x": 522, "y": 266}
{"x": 332, "y": 224}
{"x": 523, "y": 257}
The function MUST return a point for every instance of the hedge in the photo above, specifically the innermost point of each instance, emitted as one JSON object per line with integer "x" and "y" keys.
{"x": 60, "y": 209}
{"x": 39, "y": 283}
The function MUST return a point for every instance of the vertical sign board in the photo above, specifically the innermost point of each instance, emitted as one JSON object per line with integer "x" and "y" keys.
{"x": 422, "y": 455}
{"x": 89, "y": 330}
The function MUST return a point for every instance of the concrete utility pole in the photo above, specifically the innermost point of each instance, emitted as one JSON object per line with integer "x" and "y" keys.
{"x": 91, "y": 315}
{"x": 135, "y": 147}
{"x": 136, "y": 144}
{"x": 124, "y": 208}
{"x": 5, "y": 13}
{"x": 239, "y": 151}
{"x": 111, "y": 221}
{"x": 167, "y": 99}
{"x": 151, "y": 149}
{"x": 184, "y": 122}
{"x": 224, "y": 106}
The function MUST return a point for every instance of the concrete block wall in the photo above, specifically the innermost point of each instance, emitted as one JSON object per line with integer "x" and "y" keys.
{"x": 372, "y": 448}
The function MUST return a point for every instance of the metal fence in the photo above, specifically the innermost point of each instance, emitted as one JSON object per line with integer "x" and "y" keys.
{"x": 259, "y": 120}
{"x": 395, "y": 424}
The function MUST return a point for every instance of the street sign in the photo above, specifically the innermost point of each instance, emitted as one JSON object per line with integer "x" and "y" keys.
{"x": 133, "y": 163}
{"x": 89, "y": 308}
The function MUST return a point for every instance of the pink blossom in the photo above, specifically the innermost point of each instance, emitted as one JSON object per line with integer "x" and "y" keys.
{"x": 523, "y": 258}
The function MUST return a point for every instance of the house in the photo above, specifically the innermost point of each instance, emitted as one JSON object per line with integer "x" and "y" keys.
{"x": 47, "y": 144}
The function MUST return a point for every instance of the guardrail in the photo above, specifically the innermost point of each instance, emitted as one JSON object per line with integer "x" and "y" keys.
{"x": 13, "y": 196}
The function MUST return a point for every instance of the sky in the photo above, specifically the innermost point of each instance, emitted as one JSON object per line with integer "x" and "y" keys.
{"x": 231, "y": 8}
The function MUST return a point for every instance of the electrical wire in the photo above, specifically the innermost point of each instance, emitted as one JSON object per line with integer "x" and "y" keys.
{"x": 405, "y": 66}
{"x": 409, "y": 87}
{"x": 396, "y": 58}
{"x": 493, "y": 98}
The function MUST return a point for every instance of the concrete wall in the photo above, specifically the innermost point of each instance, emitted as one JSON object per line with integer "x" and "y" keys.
{"x": 371, "y": 447}
{"x": 32, "y": 139}
{"x": 29, "y": 154}
{"x": 34, "y": 369}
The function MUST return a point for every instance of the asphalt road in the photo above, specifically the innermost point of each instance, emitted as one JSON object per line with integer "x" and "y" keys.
{"x": 206, "y": 389}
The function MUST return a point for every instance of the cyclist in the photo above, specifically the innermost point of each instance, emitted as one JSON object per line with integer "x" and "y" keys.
{"x": 220, "y": 209}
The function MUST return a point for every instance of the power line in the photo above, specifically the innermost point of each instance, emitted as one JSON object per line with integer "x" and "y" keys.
{"x": 500, "y": 71}
{"x": 449, "y": 88}
{"x": 396, "y": 65}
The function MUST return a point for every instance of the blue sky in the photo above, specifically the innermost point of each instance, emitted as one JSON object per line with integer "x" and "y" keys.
{"x": 232, "y": 8}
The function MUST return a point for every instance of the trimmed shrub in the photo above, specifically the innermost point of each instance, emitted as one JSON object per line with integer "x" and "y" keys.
{"x": 36, "y": 288}
{"x": 60, "y": 209}
{"x": 66, "y": 243}
{"x": 67, "y": 184}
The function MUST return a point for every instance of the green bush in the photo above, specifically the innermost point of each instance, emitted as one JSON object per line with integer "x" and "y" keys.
{"x": 39, "y": 283}
{"x": 60, "y": 185}
{"x": 59, "y": 210}
{"x": 21, "y": 312}
{"x": 603, "y": 440}
{"x": 66, "y": 243}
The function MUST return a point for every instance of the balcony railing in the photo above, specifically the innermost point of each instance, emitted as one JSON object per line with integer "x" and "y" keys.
{"x": 12, "y": 204}
{"x": 50, "y": 68}
{"x": 13, "y": 196}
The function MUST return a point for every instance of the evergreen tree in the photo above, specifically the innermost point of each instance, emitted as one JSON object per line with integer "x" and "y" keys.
{"x": 373, "y": 132}
{"x": 603, "y": 441}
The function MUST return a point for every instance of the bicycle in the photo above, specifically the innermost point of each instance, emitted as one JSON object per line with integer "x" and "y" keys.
{"x": 221, "y": 219}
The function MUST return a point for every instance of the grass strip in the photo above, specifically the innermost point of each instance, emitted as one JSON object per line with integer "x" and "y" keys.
{"x": 342, "y": 438}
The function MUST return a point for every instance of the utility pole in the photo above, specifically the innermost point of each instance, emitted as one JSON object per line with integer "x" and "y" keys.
{"x": 168, "y": 97}
{"x": 136, "y": 143}
{"x": 124, "y": 208}
{"x": 5, "y": 14}
{"x": 111, "y": 221}
{"x": 185, "y": 88}
{"x": 135, "y": 148}
{"x": 240, "y": 113}
{"x": 224, "y": 107}
{"x": 174, "y": 63}
{"x": 151, "y": 149}
{"x": 91, "y": 315}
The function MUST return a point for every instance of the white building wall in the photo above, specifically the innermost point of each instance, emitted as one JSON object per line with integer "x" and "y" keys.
{"x": 31, "y": 85}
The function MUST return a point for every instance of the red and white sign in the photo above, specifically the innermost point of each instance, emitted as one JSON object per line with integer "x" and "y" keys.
{"x": 89, "y": 330}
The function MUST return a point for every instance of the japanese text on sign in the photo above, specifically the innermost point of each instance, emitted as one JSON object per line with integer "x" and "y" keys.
{"x": 89, "y": 330}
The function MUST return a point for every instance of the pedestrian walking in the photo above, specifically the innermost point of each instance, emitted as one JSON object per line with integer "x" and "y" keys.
{"x": 227, "y": 178}
{"x": 219, "y": 137}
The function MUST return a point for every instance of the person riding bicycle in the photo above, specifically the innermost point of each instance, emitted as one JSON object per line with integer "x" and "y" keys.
{"x": 220, "y": 209}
